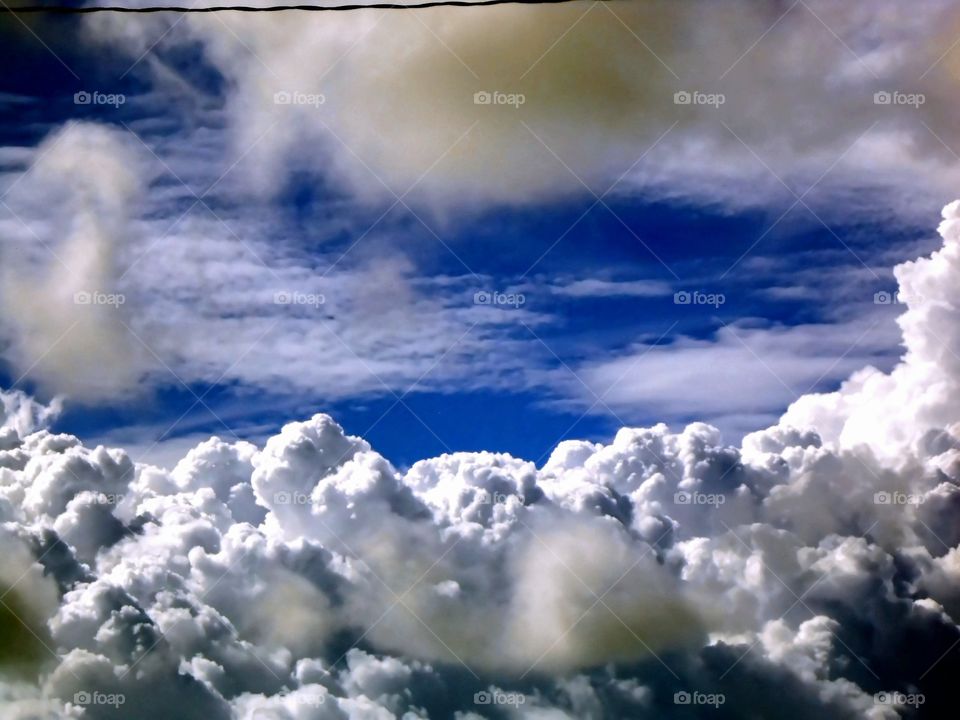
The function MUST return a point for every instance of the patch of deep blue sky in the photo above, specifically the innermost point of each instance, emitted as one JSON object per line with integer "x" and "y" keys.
{"x": 696, "y": 244}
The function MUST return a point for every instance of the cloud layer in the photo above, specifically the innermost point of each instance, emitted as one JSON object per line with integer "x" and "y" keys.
{"x": 385, "y": 102}
{"x": 107, "y": 291}
{"x": 812, "y": 571}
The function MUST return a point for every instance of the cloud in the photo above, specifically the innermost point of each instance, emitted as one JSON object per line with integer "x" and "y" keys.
{"x": 743, "y": 371}
{"x": 63, "y": 314}
{"x": 892, "y": 411}
{"x": 798, "y": 574}
{"x": 109, "y": 294}
{"x": 811, "y": 571}
{"x": 385, "y": 103}
{"x": 597, "y": 287}
{"x": 29, "y": 601}
{"x": 382, "y": 321}
{"x": 23, "y": 415}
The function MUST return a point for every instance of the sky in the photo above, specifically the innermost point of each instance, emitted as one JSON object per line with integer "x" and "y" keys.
{"x": 506, "y": 289}
{"x": 596, "y": 243}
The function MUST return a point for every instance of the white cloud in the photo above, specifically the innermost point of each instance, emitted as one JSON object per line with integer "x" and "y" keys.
{"x": 892, "y": 411}
{"x": 741, "y": 374}
{"x": 597, "y": 287}
{"x": 24, "y": 415}
{"x": 63, "y": 314}
{"x": 598, "y": 83}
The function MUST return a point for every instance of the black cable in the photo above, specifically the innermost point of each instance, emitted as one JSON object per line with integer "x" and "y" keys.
{"x": 64, "y": 10}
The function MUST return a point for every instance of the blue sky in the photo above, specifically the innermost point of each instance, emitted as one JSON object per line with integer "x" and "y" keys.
{"x": 399, "y": 352}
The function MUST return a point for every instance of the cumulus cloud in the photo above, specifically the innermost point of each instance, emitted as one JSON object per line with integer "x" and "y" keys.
{"x": 892, "y": 411}
{"x": 659, "y": 575}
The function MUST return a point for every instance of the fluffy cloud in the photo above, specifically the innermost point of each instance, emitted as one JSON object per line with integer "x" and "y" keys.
{"x": 23, "y": 415}
{"x": 62, "y": 312}
{"x": 385, "y": 101}
{"x": 802, "y": 573}
{"x": 891, "y": 411}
